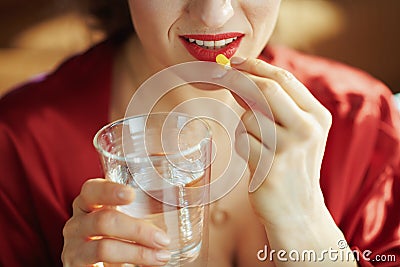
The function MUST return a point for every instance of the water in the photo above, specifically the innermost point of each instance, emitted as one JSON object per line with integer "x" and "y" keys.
{"x": 182, "y": 219}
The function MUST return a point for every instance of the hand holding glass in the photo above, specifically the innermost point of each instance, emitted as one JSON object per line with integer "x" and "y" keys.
{"x": 166, "y": 158}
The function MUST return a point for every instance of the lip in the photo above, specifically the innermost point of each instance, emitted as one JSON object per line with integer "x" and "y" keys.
{"x": 203, "y": 54}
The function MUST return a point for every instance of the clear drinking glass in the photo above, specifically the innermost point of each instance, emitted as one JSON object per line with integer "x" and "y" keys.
{"x": 166, "y": 158}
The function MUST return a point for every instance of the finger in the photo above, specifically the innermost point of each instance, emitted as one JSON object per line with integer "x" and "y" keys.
{"x": 284, "y": 109}
{"x": 265, "y": 95}
{"x": 112, "y": 223}
{"x": 116, "y": 251}
{"x": 246, "y": 93}
{"x": 295, "y": 89}
{"x": 243, "y": 103}
{"x": 259, "y": 158}
{"x": 99, "y": 192}
{"x": 262, "y": 128}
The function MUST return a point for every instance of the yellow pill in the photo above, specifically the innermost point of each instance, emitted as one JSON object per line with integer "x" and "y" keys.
{"x": 222, "y": 60}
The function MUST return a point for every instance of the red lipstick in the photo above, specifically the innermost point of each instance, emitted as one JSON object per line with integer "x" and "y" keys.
{"x": 206, "y": 47}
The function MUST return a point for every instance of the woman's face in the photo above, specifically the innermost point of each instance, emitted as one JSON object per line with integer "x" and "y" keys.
{"x": 176, "y": 31}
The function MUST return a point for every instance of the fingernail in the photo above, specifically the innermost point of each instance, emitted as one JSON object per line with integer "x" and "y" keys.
{"x": 161, "y": 239}
{"x": 163, "y": 255}
{"x": 237, "y": 60}
{"x": 125, "y": 193}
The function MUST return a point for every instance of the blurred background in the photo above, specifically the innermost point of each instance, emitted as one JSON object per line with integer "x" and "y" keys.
{"x": 35, "y": 36}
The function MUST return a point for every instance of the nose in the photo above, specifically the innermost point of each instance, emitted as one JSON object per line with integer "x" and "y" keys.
{"x": 212, "y": 13}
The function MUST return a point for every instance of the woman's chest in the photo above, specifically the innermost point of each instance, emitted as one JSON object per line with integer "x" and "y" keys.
{"x": 235, "y": 235}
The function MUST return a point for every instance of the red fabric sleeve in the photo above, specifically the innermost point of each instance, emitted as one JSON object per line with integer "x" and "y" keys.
{"x": 360, "y": 174}
{"x": 46, "y": 154}
{"x": 363, "y": 170}
{"x": 18, "y": 223}
{"x": 375, "y": 222}
{"x": 362, "y": 262}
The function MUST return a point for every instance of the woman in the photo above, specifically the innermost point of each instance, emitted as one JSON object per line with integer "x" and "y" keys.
{"x": 335, "y": 174}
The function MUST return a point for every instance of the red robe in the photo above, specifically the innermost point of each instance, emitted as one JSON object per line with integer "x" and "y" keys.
{"x": 46, "y": 153}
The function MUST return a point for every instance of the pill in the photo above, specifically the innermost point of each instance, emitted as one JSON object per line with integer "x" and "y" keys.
{"x": 223, "y": 60}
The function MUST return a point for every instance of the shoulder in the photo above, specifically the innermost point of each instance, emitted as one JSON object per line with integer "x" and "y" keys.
{"x": 336, "y": 85}
{"x": 68, "y": 87}
{"x": 324, "y": 76}
{"x": 355, "y": 98}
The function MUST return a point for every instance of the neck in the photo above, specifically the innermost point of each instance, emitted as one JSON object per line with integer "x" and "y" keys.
{"x": 132, "y": 66}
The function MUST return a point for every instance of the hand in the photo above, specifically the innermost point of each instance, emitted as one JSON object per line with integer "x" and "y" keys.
{"x": 97, "y": 232}
{"x": 291, "y": 191}
{"x": 289, "y": 201}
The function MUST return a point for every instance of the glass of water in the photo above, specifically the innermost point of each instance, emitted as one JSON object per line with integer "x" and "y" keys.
{"x": 166, "y": 158}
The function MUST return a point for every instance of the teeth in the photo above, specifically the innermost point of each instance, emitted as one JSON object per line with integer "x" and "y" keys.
{"x": 220, "y": 43}
{"x": 228, "y": 41}
{"x": 212, "y": 44}
{"x": 209, "y": 43}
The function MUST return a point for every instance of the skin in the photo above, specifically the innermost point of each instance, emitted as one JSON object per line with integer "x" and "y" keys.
{"x": 286, "y": 212}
